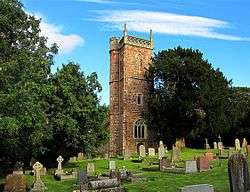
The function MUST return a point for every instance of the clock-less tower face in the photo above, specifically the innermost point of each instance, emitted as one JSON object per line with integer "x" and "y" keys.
{"x": 130, "y": 59}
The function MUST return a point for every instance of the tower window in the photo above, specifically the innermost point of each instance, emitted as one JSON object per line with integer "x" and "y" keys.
{"x": 139, "y": 99}
{"x": 140, "y": 130}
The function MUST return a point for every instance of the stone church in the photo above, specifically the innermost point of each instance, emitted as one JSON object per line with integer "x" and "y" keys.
{"x": 130, "y": 58}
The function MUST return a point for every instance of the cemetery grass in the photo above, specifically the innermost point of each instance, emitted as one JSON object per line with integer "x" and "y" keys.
{"x": 155, "y": 181}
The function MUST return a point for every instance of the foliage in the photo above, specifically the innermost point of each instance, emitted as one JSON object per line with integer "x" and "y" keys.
{"x": 25, "y": 62}
{"x": 189, "y": 97}
{"x": 77, "y": 119}
{"x": 43, "y": 113}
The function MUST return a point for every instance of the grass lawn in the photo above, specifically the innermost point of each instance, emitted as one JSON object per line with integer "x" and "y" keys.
{"x": 155, "y": 180}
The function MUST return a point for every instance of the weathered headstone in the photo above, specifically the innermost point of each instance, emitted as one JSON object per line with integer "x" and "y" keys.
{"x": 176, "y": 154}
{"x": 142, "y": 151}
{"x": 210, "y": 156}
{"x": 190, "y": 166}
{"x": 244, "y": 146}
{"x": 202, "y": 164}
{"x": 197, "y": 188}
{"x": 38, "y": 185}
{"x": 238, "y": 173}
{"x": 59, "y": 170}
{"x": 215, "y": 145}
{"x": 206, "y": 144}
{"x": 237, "y": 145}
{"x": 90, "y": 168}
{"x": 164, "y": 163}
{"x": 112, "y": 165}
{"x": 80, "y": 156}
{"x": 151, "y": 152}
{"x": 15, "y": 183}
{"x": 161, "y": 150}
{"x": 221, "y": 148}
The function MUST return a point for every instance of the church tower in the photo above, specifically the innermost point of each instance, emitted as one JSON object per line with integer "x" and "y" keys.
{"x": 130, "y": 58}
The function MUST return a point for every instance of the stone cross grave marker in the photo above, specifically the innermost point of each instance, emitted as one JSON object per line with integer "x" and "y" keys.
{"x": 161, "y": 150}
{"x": 112, "y": 165}
{"x": 90, "y": 168}
{"x": 190, "y": 166}
{"x": 59, "y": 170}
{"x": 238, "y": 173}
{"x": 151, "y": 152}
{"x": 38, "y": 185}
{"x": 237, "y": 145}
{"x": 142, "y": 151}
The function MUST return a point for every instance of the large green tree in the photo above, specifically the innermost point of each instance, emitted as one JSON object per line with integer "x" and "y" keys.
{"x": 25, "y": 63}
{"x": 189, "y": 97}
{"x": 43, "y": 114}
{"x": 77, "y": 119}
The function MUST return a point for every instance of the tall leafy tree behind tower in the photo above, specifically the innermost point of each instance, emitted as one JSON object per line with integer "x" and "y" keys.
{"x": 189, "y": 97}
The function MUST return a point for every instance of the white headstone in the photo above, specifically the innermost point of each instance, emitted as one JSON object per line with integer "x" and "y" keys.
{"x": 142, "y": 151}
{"x": 191, "y": 166}
{"x": 215, "y": 145}
{"x": 112, "y": 166}
{"x": 161, "y": 151}
{"x": 151, "y": 152}
{"x": 90, "y": 168}
{"x": 237, "y": 145}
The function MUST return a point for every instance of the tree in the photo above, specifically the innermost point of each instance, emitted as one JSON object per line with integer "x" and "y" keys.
{"x": 189, "y": 97}
{"x": 25, "y": 63}
{"x": 77, "y": 119}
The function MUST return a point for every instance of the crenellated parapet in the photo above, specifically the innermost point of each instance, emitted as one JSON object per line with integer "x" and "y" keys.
{"x": 116, "y": 43}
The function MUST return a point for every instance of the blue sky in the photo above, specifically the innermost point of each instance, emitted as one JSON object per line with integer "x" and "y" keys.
{"x": 82, "y": 28}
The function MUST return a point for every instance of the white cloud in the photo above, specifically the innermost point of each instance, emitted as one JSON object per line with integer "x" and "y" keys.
{"x": 168, "y": 23}
{"x": 66, "y": 43}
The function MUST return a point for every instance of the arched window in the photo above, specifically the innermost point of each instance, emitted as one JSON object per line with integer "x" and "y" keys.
{"x": 140, "y": 129}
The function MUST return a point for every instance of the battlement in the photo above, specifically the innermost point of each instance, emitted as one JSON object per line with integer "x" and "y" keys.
{"x": 116, "y": 43}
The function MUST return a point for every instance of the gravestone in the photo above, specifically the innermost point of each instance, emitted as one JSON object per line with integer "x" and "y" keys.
{"x": 164, "y": 163}
{"x": 210, "y": 156}
{"x": 197, "y": 188}
{"x": 238, "y": 173}
{"x": 221, "y": 148}
{"x": 215, "y": 145}
{"x": 59, "y": 170}
{"x": 237, "y": 145}
{"x": 38, "y": 184}
{"x": 15, "y": 183}
{"x": 151, "y": 152}
{"x": 90, "y": 168}
{"x": 176, "y": 154}
{"x": 206, "y": 144}
{"x": 161, "y": 150}
{"x": 244, "y": 146}
{"x": 80, "y": 157}
{"x": 190, "y": 166}
{"x": 202, "y": 164}
{"x": 112, "y": 165}
{"x": 142, "y": 151}
{"x": 248, "y": 149}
